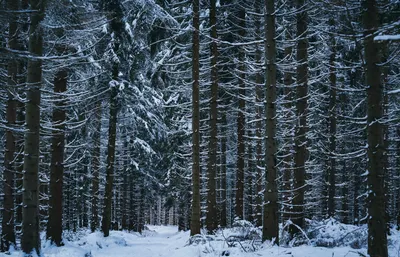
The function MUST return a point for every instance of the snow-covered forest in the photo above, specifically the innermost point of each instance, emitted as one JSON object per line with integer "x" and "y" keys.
{"x": 200, "y": 128}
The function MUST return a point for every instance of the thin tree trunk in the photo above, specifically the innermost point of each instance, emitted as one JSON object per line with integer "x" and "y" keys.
{"x": 195, "y": 218}
{"x": 377, "y": 238}
{"x": 223, "y": 221}
{"x": 259, "y": 124}
{"x": 211, "y": 216}
{"x": 288, "y": 159}
{"x": 94, "y": 221}
{"x": 112, "y": 131}
{"x": 8, "y": 229}
{"x": 271, "y": 216}
{"x": 300, "y": 156}
{"x": 125, "y": 186}
{"x": 332, "y": 130}
{"x": 239, "y": 207}
{"x": 250, "y": 176}
{"x": 54, "y": 225}
{"x": 30, "y": 240}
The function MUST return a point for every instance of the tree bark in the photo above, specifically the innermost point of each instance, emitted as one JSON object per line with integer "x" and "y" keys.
{"x": 8, "y": 229}
{"x": 288, "y": 159}
{"x": 54, "y": 225}
{"x": 300, "y": 156}
{"x": 30, "y": 240}
{"x": 223, "y": 221}
{"x": 239, "y": 207}
{"x": 112, "y": 131}
{"x": 259, "y": 124}
{"x": 94, "y": 221}
{"x": 195, "y": 218}
{"x": 332, "y": 129}
{"x": 211, "y": 216}
{"x": 271, "y": 216}
{"x": 377, "y": 238}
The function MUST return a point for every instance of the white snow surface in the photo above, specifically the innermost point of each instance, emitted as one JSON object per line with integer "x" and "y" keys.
{"x": 165, "y": 241}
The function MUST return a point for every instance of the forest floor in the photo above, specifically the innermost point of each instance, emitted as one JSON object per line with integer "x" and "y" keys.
{"x": 165, "y": 241}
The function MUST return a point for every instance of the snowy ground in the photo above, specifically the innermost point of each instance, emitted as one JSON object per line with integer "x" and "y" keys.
{"x": 165, "y": 241}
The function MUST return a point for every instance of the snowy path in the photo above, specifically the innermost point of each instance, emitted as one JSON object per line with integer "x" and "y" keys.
{"x": 165, "y": 241}
{"x": 159, "y": 241}
{"x": 162, "y": 243}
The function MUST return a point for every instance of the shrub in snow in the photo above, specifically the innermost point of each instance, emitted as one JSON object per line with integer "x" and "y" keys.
{"x": 243, "y": 230}
{"x": 332, "y": 233}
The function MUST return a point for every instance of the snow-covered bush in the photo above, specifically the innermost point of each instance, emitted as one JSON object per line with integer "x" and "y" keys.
{"x": 332, "y": 233}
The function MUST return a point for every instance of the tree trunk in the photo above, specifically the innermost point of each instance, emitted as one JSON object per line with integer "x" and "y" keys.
{"x": 195, "y": 218}
{"x": 377, "y": 238}
{"x": 8, "y": 229}
{"x": 332, "y": 130}
{"x": 223, "y": 221}
{"x": 211, "y": 216}
{"x": 300, "y": 156}
{"x": 251, "y": 172}
{"x": 288, "y": 159}
{"x": 239, "y": 207}
{"x": 30, "y": 241}
{"x": 112, "y": 131}
{"x": 125, "y": 186}
{"x": 54, "y": 225}
{"x": 94, "y": 221}
{"x": 259, "y": 125}
{"x": 271, "y": 218}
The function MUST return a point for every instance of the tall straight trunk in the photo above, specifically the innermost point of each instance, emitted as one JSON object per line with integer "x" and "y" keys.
{"x": 271, "y": 216}
{"x": 288, "y": 159}
{"x": 377, "y": 238}
{"x": 112, "y": 131}
{"x": 398, "y": 180}
{"x": 20, "y": 122}
{"x": 300, "y": 156}
{"x": 126, "y": 177}
{"x": 250, "y": 177}
{"x": 239, "y": 207}
{"x": 8, "y": 229}
{"x": 94, "y": 221}
{"x": 54, "y": 225}
{"x": 19, "y": 166}
{"x": 195, "y": 218}
{"x": 83, "y": 181}
{"x": 259, "y": 123}
{"x": 30, "y": 240}
{"x": 386, "y": 140}
{"x": 332, "y": 129}
{"x": 211, "y": 216}
{"x": 113, "y": 7}
{"x": 345, "y": 195}
{"x": 223, "y": 221}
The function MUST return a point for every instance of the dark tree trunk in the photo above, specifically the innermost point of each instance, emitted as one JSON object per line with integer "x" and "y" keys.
{"x": 195, "y": 218}
{"x": 125, "y": 186}
{"x": 377, "y": 238}
{"x": 300, "y": 155}
{"x": 8, "y": 229}
{"x": 112, "y": 131}
{"x": 250, "y": 177}
{"x": 54, "y": 225}
{"x": 30, "y": 240}
{"x": 332, "y": 130}
{"x": 259, "y": 124}
{"x": 94, "y": 221}
{"x": 223, "y": 221}
{"x": 239, "y": 207}
{"x": 211, "y": 216}
{"x": 271, "y": 215}
{"x": 288, "y": 159}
